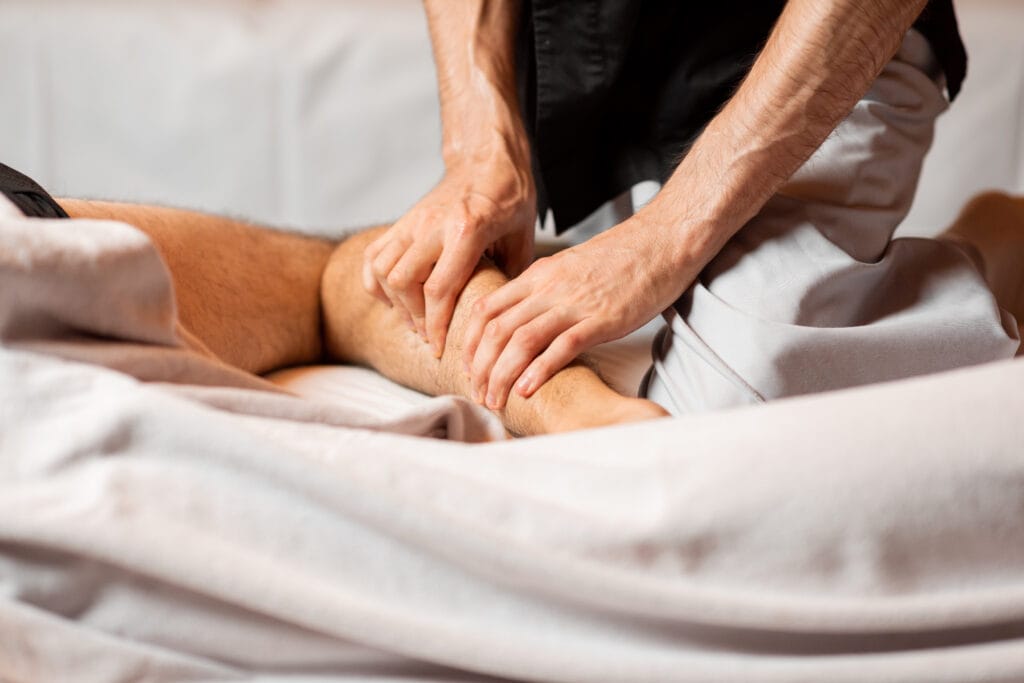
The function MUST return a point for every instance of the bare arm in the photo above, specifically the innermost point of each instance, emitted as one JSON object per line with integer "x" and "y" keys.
{"x": 474, "y": 50}
{"x": 820, "y": 59}
{"x": 486, "y": 199}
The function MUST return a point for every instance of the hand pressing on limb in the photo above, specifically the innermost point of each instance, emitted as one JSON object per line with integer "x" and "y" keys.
{"x": 486, "y": 201}
{"x": 420, "y": 265}
{"x": 358, "y": 328}
{"x": 820, "y": 59}
{"x": 260, "y": 300}
{"x": 523, "y": 333}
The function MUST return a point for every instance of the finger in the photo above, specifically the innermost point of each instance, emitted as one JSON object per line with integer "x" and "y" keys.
{"x": 497, "y": 333}
{"x": 370, "y": 283}
{"x": 456, "y": 264}
{"x": 406, "y": 282}
{"x": 484, "y": 310}
{"x": 382, "y": 266}
{"x": 560, "y": 353}
{"x": 526, "y": 343}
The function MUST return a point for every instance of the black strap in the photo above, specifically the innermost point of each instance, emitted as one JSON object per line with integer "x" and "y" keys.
{"x": 28, "y": 196}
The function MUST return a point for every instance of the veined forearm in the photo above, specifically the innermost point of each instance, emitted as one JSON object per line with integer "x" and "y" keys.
{"x": 819, "y": 61}
{"x": 486, "y": 199}
{"x": 474, "y": 49}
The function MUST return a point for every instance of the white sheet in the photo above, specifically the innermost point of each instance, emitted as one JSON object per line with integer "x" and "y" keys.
{"x": 622, "y": 364}
{"x": 163, "y": 529}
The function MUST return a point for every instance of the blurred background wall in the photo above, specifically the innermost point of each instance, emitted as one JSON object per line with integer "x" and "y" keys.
{"x": 322, "y": 114}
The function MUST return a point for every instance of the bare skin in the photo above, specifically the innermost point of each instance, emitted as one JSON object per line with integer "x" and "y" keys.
{"x": 251, "y": 296}
{"x": 261, "y": 300}
{"x": 820, "y": 59}
{"x": 486, "y": 199}
{"x": 992, "y": 226}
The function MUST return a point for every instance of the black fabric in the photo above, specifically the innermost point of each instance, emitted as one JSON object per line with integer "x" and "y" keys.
{"x": 939, "y": 25}
{"x": 28, "y": 196}
{"x": 614, "y": 91}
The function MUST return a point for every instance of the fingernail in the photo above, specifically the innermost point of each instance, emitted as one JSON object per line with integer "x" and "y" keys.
{"x": 525, "y": 384}
{"x": 465, "y": 367}
{"x": 491, "y": 403}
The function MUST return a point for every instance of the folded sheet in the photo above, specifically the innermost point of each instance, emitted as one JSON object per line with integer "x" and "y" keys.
{"x": 163, "y": 518}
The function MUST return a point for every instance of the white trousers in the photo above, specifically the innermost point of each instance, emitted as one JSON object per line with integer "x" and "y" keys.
{"x": 814, "y": 294}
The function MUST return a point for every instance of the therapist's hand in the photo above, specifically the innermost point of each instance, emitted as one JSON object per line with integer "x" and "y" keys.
{"x": 422, "y": 263}
{"x": 523, "y": 333}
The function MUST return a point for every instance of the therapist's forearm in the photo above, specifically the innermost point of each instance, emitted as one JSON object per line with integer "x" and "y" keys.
{"x": 474, "y": 49}
{"x": 821, "y": 58}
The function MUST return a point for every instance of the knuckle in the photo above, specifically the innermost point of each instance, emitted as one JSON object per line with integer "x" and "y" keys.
{"x": 571, "y": 340}
{"x": 494, "y": 328}
{"x": 463, "y": 228}
{"x": 433, "y": 289}
{"x": 398, "y": 279}
{"x": 469, "y": 238}
{"x": 379, "y": 268}
{"x": 480, "y": 307}
{"x": 525, "y": 337}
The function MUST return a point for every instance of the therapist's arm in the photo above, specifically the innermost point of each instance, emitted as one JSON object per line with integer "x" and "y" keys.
{"x": 486, "y": 199}
{"x": 821, "y": 58}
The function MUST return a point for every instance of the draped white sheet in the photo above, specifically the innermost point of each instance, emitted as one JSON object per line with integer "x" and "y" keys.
{"x": 163, "y": 518}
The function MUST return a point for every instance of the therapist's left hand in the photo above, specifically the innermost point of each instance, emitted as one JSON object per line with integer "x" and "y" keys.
{"x": 532, "y": 327}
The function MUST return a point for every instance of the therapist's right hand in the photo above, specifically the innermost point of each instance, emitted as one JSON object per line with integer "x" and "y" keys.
{"x": 421, "y": 264}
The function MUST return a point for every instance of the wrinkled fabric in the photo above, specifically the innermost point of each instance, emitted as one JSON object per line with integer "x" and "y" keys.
{"x": 98, "y": 292}
{"x": 812, "y": 295}
{"x": 164, "y": 518}
{"x": 613, "y": 92}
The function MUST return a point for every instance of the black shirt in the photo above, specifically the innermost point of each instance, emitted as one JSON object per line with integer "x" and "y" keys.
{"x": 614, "y": 92}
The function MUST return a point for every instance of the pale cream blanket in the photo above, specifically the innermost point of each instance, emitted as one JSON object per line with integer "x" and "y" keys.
{"x": 164, "y": 518}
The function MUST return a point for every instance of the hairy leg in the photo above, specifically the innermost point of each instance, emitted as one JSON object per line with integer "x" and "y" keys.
{"x": 992, "y": 227}
{"x": 250, "y": 295}
{"x": 262, "y": 300}
{"x": 359, "y": 328}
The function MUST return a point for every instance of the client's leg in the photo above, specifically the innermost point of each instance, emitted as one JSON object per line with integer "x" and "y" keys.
{"x": 250, "y": 295}
{"x": 993, "y": 225}
{"x": 253, "y": 297}
{"x": 358, "y": 328}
